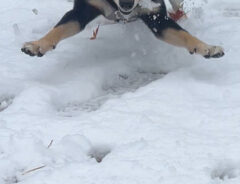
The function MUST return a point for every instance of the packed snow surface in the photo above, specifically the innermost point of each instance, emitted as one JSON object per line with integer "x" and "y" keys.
{"x": 125, "y": 108}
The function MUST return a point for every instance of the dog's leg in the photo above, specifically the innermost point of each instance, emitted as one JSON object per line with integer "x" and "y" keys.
{"x": 49, "y": 41}
{"x": 72, "y": 23}
{"x": 169, "y": 31}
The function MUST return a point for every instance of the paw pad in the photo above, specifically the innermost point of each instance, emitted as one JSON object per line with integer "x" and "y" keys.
{"x": 37, "y": 48}
{"x": 31, "y": 50}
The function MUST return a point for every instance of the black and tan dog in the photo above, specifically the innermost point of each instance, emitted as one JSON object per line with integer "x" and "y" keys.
{"x": 152, "y": 12}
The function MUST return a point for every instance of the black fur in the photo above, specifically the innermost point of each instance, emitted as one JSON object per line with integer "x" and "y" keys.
{"x": 112, "y": 3}
{"x": 81, "y": 12}
{"x": 84, "y": 13}
{"x": 159, "y": 21}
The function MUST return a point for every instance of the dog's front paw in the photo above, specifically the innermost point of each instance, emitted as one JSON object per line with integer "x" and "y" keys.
{"x": 37, "y": 48}
{"x": 208, "y": 51}
{"x": 214, "y": 52}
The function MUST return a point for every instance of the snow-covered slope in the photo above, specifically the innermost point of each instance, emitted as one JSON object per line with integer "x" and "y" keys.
{"x": 150, "y": 112}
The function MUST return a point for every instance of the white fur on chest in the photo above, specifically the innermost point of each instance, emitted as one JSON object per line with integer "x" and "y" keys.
{"x": 111, "y": 13}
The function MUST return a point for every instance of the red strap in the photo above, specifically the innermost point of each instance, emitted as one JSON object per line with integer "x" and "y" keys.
{"x": 177, "y": 15}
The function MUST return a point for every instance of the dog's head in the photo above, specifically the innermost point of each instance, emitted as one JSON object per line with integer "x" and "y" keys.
{"x": 126, "y": 6}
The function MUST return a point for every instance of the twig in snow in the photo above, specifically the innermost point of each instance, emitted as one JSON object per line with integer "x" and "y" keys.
{"x": 32, "y": 170}
{"x": 50, "y": 144}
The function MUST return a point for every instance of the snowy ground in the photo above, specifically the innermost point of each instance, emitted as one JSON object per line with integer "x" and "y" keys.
{"x": 123, "y": 109}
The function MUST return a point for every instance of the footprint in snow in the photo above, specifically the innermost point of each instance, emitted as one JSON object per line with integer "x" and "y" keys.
{"x": 226, "y": 171}
{"x": 11, "y": 180}
{"x": 232, "y": 12}
{"x": 121, "y": 84}
{"x": 99, "y": 153}
{"x": 5, "y": 102}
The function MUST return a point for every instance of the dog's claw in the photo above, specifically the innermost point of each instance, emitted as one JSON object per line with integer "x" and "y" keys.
{"x": 194, "y": 51}
{"x": 218, "y": 55}
{"x": 207, "y": 56}
{"x": 40, "y": 54}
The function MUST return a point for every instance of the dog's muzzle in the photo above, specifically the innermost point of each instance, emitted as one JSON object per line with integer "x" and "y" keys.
{"x": 126, "y": 6}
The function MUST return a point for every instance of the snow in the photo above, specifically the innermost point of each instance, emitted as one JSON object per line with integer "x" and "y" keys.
{"x": 125, "y": 108}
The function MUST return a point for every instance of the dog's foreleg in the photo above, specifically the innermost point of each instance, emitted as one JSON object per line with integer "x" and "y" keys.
{"x": 72, "y": 23}
{"x": 50, "y": 40}
{"x": 169, "y": 31}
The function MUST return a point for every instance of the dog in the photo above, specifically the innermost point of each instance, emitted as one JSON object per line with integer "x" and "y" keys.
{"x": 152, "y": 12}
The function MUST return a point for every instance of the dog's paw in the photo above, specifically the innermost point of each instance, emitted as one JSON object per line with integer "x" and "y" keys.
{"x": 37, "y": 48}
{"x": 214, "y": 52}
{"x": 208, "y": 51}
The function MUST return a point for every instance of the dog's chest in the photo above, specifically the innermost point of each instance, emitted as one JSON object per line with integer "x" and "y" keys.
{"x": 117, "y": 16}
{"x": 111, "y": 11}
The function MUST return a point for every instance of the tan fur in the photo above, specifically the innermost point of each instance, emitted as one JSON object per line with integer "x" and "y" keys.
{"x": 49, "y": 41}
{"x": 172, "y": 36}
{"x": 191, "y": 43}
